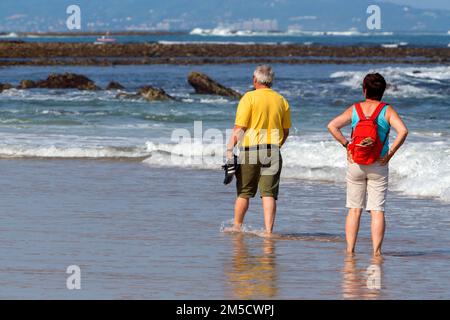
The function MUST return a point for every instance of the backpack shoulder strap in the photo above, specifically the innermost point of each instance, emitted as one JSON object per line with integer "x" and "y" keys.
{"x": 377, "y": 111}
{"x": 359, "y": 111}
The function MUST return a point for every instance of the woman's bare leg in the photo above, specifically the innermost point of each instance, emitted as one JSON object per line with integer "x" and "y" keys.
{"x": 378, "y": 227}
{"x": 352, "y": 228}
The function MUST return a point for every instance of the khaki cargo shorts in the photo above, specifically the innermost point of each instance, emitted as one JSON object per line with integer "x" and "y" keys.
{"x": 259, "y": 169}
{"x": 367, "y": 183}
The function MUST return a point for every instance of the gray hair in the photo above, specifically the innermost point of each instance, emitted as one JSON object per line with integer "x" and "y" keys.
{"x": 264, "y": 75}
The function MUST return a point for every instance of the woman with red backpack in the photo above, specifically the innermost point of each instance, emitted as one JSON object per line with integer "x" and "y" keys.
{"x": 368, "y": 155}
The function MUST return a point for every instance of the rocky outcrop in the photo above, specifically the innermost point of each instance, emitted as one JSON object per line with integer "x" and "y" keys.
{"x": 61, "y": 81}
{"x": 82, "y": 53}
{"x": 5, "y": 86}
{"x": 67, "y": 81}
{"x": 26, "y": 84}
{"x": 149, "y": 93}
{"x": 154, "y": 94}
{"x": 205, "y": 85}
{"x": 113, "y": 85}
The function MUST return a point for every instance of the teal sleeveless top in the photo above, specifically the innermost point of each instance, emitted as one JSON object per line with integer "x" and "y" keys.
{"x": 383, "y": 127}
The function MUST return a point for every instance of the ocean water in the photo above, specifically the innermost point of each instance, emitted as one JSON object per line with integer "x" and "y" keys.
{"x": 107, "y": 184}
{"x": 223, "y": 35}
{"x": 79, "y": 124}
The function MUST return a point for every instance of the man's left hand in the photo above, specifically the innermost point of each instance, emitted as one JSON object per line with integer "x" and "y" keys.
{"x": 230, "y": 154}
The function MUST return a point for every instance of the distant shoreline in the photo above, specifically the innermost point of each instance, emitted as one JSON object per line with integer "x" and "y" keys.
{"x": 13, "y": 53}
{"x": 95, "y": 33}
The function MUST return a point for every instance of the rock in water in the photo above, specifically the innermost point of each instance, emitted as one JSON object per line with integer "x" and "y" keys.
{"x": 114, "y": 86}
{"x": 5, "y": 86}
{"x": 205, "y": 85}
{"x": 150, "y": 93}
{"x": 26, "y": 84}
{"x": 67, "y": 81}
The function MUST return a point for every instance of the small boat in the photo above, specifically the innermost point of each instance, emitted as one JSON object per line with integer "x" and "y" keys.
{"x": 105, "y": 40}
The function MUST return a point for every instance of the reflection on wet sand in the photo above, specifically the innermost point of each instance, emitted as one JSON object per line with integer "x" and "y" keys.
{"x": 361, "y": 282}
{"x": 252, "y": 275}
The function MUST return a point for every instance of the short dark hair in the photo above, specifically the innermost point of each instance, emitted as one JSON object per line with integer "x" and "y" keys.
{"x": 374, "y": 84}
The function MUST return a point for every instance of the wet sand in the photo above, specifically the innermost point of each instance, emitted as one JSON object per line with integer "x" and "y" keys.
{"x": 143, "y": 232}
{"x": 54, "y": 53}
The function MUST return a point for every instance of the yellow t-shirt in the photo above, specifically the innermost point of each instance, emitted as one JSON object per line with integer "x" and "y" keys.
{"x": 265, "y": 113}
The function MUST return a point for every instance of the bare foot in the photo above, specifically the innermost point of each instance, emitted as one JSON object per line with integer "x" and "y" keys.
{"x": 232, "y": 229}
{"x": 350, "y": 253}
{"x": 266, "y": 234}
{"x": 377, "y": 254}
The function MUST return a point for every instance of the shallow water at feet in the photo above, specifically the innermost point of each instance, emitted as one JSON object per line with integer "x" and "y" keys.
{"x": 139, "y": 233}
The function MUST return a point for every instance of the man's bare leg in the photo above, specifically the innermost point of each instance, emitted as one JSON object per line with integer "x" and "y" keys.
{"x": 240, "y": 209}
{"x": 352, "y": 228}
{"x": 378, "y": 227}
{"x": 270, "y": 210}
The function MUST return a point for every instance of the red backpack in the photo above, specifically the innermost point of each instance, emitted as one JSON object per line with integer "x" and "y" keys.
{"x": 366, "y": 145}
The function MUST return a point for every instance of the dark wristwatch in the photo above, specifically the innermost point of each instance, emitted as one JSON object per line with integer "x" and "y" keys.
{"x": 345, "y": 145}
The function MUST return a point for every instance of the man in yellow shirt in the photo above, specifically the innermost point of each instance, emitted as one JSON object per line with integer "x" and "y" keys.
{"x": 262, "y": 125}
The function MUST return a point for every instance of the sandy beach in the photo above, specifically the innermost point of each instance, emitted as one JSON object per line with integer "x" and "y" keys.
{"x": 136, "y": 234}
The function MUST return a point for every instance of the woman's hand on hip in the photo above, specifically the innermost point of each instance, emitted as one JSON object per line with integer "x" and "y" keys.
{"x": 385, "y": 159}
{"x": 349, "y": 156}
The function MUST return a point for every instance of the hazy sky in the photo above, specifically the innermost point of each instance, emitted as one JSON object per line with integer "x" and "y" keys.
{"x": 431, "y": 4}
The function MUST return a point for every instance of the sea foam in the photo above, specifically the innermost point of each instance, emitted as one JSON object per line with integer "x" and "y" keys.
{"x": 405, "y": 81}
{"x": 419, "y": 168}
{"x": 229, "y": 32}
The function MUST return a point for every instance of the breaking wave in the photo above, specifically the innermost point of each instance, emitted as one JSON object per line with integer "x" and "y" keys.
{"x": 229, "y": 32}
{"x": 421, "y": 168}
{"x": 413, "y": 170}
{"x": 405, "y": 81}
